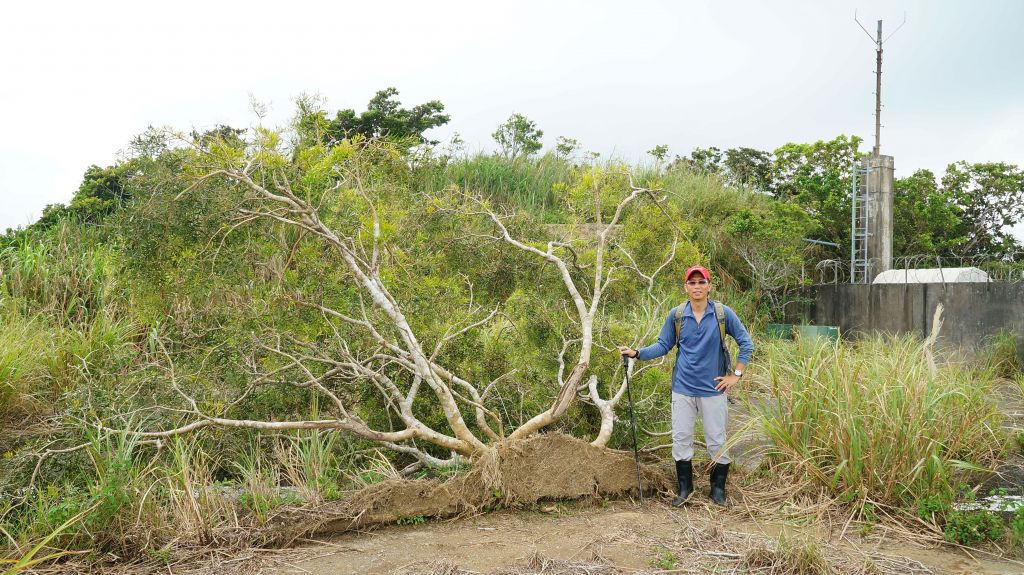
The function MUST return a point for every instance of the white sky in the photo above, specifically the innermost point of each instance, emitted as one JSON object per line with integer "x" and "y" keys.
{"x": 79, "y": 79}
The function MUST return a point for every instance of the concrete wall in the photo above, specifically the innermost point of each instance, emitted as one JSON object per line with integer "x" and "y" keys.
{"x": 972, "y": 311}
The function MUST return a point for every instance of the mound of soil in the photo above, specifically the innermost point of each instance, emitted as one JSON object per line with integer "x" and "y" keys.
{"x": 512, "y": 474}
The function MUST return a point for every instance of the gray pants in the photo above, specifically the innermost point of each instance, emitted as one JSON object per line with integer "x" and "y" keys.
{"x": 714, "y": 412}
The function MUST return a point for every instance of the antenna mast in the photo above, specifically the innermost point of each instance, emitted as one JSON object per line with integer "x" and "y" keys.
{"x": 878, "y": 41}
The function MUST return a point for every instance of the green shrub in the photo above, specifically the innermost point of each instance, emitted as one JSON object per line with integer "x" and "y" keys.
{"x": 1017, "y": 528}
{"x": 934, "y": 508}
{"x": 972, "y": 528}
{"x": 411, "y": 520}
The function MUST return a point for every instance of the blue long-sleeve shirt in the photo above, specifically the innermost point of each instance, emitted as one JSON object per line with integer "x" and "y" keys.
{"x": 699, "y": 358}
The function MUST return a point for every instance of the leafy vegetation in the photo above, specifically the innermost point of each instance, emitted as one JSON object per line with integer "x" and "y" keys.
{"x": 665, "y": 560}
{"x": 518, "y": 137}
{"x": 384, "y": 118}
{"x": 974, "y": 527}
{"x": 836, "y": 407}
{"x": 967, "y": 213}
{"x": 525, "y": 184}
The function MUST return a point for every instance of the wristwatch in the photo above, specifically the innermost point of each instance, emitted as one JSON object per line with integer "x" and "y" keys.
{"x": 738, "y": 373}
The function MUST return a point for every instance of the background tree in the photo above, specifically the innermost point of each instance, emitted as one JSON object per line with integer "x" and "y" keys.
{"x": 989, "y": 197}
{"x": 566, "y": 147}
{"x": 925, "y": 218}
{"x": 769, "y": 236}
{"x": 659, "y": 152}
{"x": 102, "y": 191}
{"x": 707, "y": 161}
{"x": 221, "y": 133}
{"x": 748, "y": 168}
{"x": 518, "y": 137}
{"x": 817, "y": 177}
{"x": 384, "y": 118}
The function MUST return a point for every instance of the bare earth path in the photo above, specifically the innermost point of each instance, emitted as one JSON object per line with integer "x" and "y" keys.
{"x": 619, "y": 537}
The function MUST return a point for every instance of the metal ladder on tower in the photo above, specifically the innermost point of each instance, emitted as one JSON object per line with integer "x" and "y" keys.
{"x": 860, "y": 231}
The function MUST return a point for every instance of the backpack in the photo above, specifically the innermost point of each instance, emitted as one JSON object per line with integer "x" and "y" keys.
{"x": 720, "y": 315}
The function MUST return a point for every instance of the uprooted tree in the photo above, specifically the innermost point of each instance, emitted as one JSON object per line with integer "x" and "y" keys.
{"x": 354, "y": 203}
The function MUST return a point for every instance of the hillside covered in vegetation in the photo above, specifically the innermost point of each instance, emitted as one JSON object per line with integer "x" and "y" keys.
{"x": 245, "y": 319}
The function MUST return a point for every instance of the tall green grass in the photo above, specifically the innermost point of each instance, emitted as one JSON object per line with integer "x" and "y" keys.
{"x": 60, "y": 274}
{"x": 703, "y": 198}
{"x": 64, "y": 317}
{"x": 25, "y": 345}
{"x": 311, "y": 463}
{"x": 1003, "y": 355}
{"x": 872, "y": 423}
{"x": 136, "y": 501}
{"x": 41, "y": 360}
{"x": 523, "y": 183}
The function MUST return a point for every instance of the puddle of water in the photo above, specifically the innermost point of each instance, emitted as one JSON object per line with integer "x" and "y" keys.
{"x": 998, "y": 503}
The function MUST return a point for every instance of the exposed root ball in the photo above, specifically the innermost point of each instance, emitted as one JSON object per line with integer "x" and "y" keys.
{"x": 550, "y": 466}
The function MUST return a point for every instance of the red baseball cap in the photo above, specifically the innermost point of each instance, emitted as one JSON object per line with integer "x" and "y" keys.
{"x": 697, "y": 269}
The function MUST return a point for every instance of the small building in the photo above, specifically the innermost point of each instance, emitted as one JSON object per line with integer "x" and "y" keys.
{"x": 932, "y": 276}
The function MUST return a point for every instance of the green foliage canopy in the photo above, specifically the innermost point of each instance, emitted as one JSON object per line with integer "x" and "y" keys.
{"x": 518, "y": 137}
{"x": 384, "y": 118}
{"x": 989, "y": 196}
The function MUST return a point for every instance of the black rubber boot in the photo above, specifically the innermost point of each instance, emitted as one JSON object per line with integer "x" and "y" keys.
{"x": 719, "y": 473}
{"x": 684, "y": 474}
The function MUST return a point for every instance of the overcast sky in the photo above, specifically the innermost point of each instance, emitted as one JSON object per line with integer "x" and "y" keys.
{"x": 79, "y": 79}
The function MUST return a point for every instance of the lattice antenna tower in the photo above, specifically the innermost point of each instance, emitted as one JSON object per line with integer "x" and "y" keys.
{"x": 878, "y": 41}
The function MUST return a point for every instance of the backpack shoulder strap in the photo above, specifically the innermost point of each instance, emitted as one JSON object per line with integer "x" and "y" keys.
{"x": 678, "y": 317}
{"x": 720, "y": 314}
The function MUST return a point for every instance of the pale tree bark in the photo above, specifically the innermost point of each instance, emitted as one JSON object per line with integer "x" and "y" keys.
{"x": 399, "y": 350}
{"x": 586, "y": 312}
{"x": 281, "y": 204}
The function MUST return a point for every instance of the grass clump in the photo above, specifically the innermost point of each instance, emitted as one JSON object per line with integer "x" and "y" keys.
{"x": 873, "y": 421}
{"x": 54, "y": 275}
{"x": 1003, "y": 356}
{"x": 24, "y": 345}
{"x": 665, "y": 560}
{"x": 102, "y": 506}
{"x": 521, "y": 183}
{"x": 790, "y": 557}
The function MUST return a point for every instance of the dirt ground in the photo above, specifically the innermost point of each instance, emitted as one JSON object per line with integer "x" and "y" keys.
{"x": 610, "y": 538}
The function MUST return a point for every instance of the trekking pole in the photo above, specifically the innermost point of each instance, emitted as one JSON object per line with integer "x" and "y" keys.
{"x": 632, "y": 425}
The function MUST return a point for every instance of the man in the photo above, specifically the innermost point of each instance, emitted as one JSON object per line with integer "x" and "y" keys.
{"x": 699, "y": 379}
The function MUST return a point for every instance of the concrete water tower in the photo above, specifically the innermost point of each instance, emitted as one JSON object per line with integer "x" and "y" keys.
{"x": 872, "y": 218}
{"x": 871, "y": 225}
